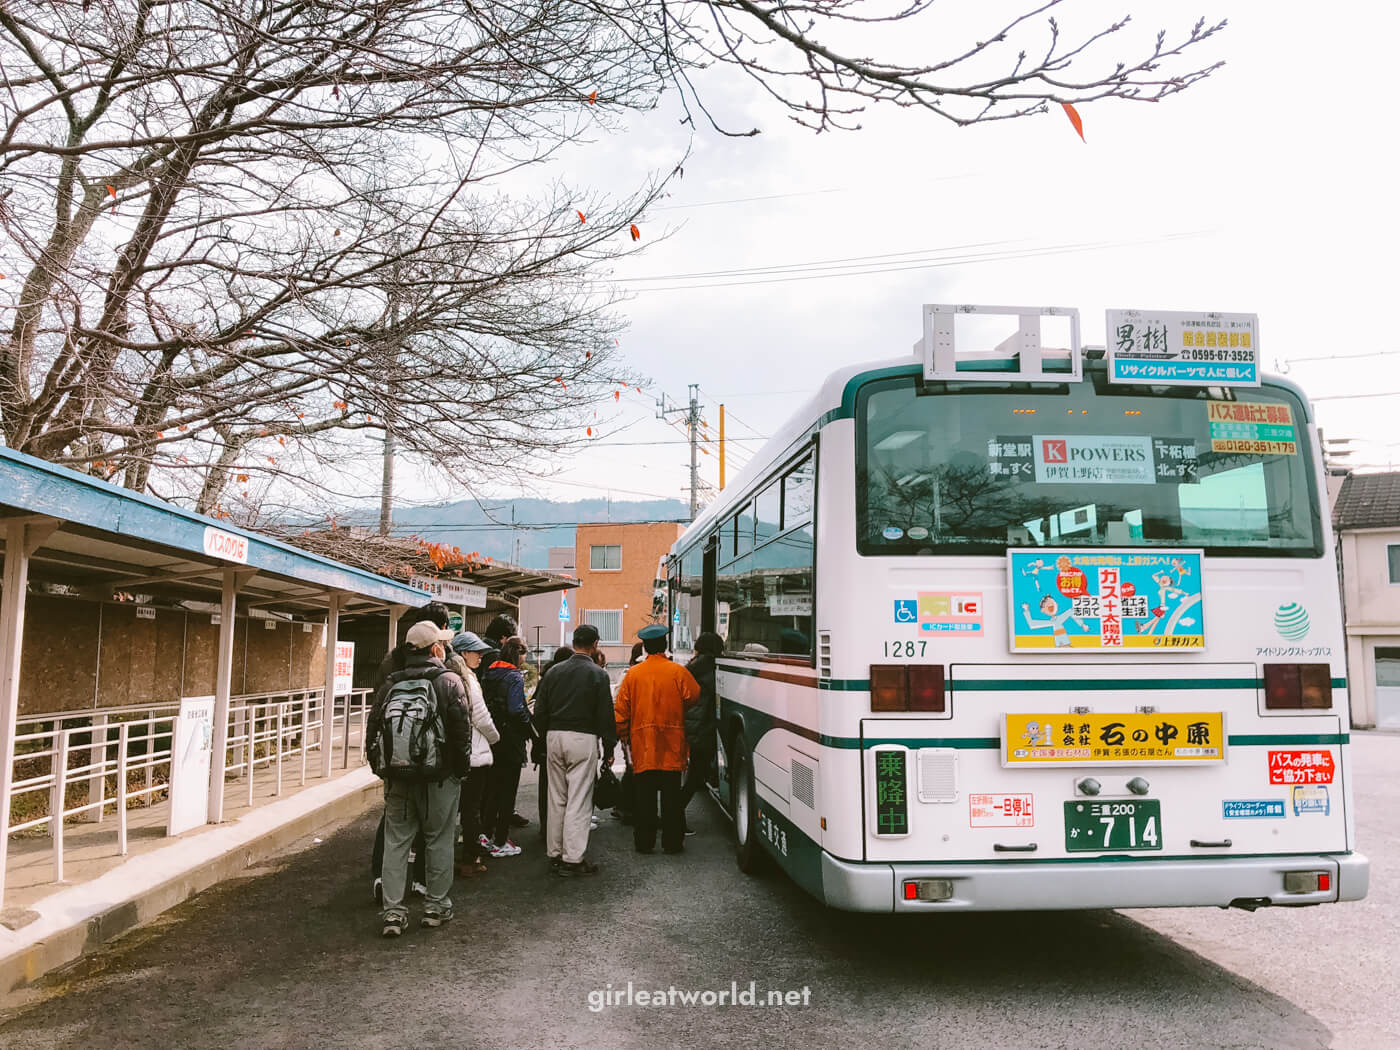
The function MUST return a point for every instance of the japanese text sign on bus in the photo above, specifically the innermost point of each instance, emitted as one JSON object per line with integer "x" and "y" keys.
{"x": 1171, "y": 348}
{"x": 1105, "y": 600}
{"x": 1160, "y": 738}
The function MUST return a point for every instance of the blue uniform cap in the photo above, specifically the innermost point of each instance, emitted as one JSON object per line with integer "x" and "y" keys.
{"x": 653, "y": 631}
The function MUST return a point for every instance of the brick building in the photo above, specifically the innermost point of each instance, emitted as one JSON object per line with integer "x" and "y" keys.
{"x": 617, "y": 569}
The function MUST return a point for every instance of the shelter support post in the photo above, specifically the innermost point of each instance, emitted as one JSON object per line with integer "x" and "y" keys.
{"x": 223, "y": 687}
{"x": 395, "y": 615}
{"x": 23, "y": 536}
{"x": 328, "y": 718}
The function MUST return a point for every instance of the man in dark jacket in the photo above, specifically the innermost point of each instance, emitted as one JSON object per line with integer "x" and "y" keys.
{"x": 700, "y": 719}
{"x": 573, "y": 711}
{"x": 413, "y": 806}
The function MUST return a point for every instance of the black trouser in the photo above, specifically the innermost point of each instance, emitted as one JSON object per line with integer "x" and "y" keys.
{"x": 505, "y": 782}
{"x": 667, "y": 784}
{"x": 473, "y": 785}
{"x": 420, "y": 856}
{"x": 697, "y": 774}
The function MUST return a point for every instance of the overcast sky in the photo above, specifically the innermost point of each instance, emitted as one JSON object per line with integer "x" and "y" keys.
{"x": 1268, "y": 188}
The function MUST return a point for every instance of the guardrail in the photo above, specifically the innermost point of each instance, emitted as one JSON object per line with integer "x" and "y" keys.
{"x": 128, "y": 750}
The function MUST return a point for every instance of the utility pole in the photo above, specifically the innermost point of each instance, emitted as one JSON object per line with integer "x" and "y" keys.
{"x": 386, "y": 485}
{"x": 691, "y": 414}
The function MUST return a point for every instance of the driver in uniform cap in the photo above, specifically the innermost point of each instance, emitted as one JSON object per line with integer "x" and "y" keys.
{"x": 650, "y": 714}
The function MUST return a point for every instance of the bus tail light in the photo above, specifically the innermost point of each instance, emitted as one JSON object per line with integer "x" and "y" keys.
{"x": 928, "y": 889}
{"x": 889, "y": 687}
{"x": 1306, "y": 882}
{"x": 926, "y": 687}
{"x": 1297, "y": 686}
{"x": 897, "y": 687}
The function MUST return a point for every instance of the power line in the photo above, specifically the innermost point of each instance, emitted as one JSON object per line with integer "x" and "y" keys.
{"x": 805, "y": 274}
{"x": 1353, "y": 397}
{"x": 814, "y": 263}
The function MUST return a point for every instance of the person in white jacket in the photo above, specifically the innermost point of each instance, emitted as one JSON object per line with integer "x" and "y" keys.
{"x": 484, "y": 734}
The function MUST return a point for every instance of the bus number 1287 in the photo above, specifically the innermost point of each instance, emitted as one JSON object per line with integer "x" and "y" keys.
{"x": 900, "y": 647}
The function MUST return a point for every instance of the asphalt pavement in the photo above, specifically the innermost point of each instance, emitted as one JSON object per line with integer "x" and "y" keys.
{"x": 291, "y": 957}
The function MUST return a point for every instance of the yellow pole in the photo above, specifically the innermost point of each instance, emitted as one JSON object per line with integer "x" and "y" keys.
{"x": 721, "y": 448}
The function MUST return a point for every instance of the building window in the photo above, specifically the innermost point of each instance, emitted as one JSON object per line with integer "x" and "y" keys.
{"x": 1387, "y": 666}
{"x": 1392, "y": 554}
{"x": 605, "y": 558}
{"x": 608, "y": 622}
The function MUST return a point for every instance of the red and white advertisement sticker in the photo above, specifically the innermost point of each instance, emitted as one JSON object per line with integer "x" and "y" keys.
{"x": 1001, "y": 811}
{"x": 1301, "y": 767}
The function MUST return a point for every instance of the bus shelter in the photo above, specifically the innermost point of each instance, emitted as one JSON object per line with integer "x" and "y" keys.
{"x": 90, "y": 538}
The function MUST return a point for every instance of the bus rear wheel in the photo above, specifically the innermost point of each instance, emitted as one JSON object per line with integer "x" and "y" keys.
{"x": 744, "y": 806}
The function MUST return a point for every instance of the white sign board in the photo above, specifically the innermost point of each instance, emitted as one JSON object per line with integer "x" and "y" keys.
{"x": 1172, "y": 348}
{"x": 1089, "y": 459}
{"x": 225, "y": 545}
{"x": 790, "y": 605}
{"x": 190, "y": 757}
{"x": 451, "y": 592}
{"x": 344, "y": 667}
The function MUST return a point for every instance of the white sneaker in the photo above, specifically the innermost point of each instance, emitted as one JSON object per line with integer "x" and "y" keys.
{"x": 510, "y": 849}
{"x": 486, "y": 843}
{"x": 419, "y": 890}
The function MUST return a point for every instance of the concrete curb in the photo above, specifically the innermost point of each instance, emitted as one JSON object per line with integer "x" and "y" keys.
{"x": 82, "y": 918}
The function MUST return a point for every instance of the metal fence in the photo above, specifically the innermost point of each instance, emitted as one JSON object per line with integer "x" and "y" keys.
{"x": 86, "y": 763}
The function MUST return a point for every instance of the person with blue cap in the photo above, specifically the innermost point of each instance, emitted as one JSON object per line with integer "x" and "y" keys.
{"x": 650, "y": 712}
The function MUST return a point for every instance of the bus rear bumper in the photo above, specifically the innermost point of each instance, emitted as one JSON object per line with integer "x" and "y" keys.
{"x": 1248, "y": 882}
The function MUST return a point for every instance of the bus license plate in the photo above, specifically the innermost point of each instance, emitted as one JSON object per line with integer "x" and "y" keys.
{"x": 1116, "y": 826}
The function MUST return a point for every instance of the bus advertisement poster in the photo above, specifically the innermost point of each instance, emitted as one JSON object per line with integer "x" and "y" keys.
{"x": 1160, "y": 738}
{"x": 1168, "y": 347}
{"x": 1105, "y": 600}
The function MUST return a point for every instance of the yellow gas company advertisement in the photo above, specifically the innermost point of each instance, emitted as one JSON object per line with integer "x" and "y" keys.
{"x": 1160, "y": 738}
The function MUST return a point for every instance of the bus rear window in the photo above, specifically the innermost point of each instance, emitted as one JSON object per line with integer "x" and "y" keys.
{"x": 976, "y": 468}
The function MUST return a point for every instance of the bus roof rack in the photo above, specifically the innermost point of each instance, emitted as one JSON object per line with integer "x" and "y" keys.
{"x": 1021, "y": 353}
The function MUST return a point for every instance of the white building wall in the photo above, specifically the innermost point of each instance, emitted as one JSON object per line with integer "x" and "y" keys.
{"x": 1372, "y": 615}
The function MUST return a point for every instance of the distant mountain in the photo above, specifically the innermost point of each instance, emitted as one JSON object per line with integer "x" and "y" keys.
{"x": 539, "y": 524}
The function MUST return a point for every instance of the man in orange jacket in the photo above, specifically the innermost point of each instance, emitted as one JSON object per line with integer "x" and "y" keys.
{"x": 650, "y": 713}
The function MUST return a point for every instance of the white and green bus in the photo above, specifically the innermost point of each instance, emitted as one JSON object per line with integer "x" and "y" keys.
{"x": 1027, "y": 628}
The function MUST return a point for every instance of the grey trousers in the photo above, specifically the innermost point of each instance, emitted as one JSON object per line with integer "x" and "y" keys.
{"x": 573, "y": 767}
{"x": 409, "y": 808}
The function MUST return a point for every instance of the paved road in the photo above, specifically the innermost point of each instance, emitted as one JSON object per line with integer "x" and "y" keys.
{"x": 291, "y": 957}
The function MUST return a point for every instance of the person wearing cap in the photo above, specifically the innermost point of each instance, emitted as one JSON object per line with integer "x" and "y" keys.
{"x": 573, "y": 711}
{"x": 414, "y": 806}
{"x": 650, "y": 714}
{"x": 436, "y": 614}
{"x": 484, "y": 733}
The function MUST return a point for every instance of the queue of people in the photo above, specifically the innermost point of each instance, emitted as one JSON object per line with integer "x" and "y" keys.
{"x": 449, "y": 732}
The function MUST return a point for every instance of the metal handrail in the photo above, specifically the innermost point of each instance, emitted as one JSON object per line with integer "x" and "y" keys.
{"x": 291, "y": 723}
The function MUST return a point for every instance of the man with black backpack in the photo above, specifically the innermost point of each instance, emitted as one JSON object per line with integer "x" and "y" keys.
{"x": 420, "y": 745}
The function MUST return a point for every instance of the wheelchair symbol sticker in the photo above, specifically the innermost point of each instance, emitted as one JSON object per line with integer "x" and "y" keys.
{"x": 906, "y": 610}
